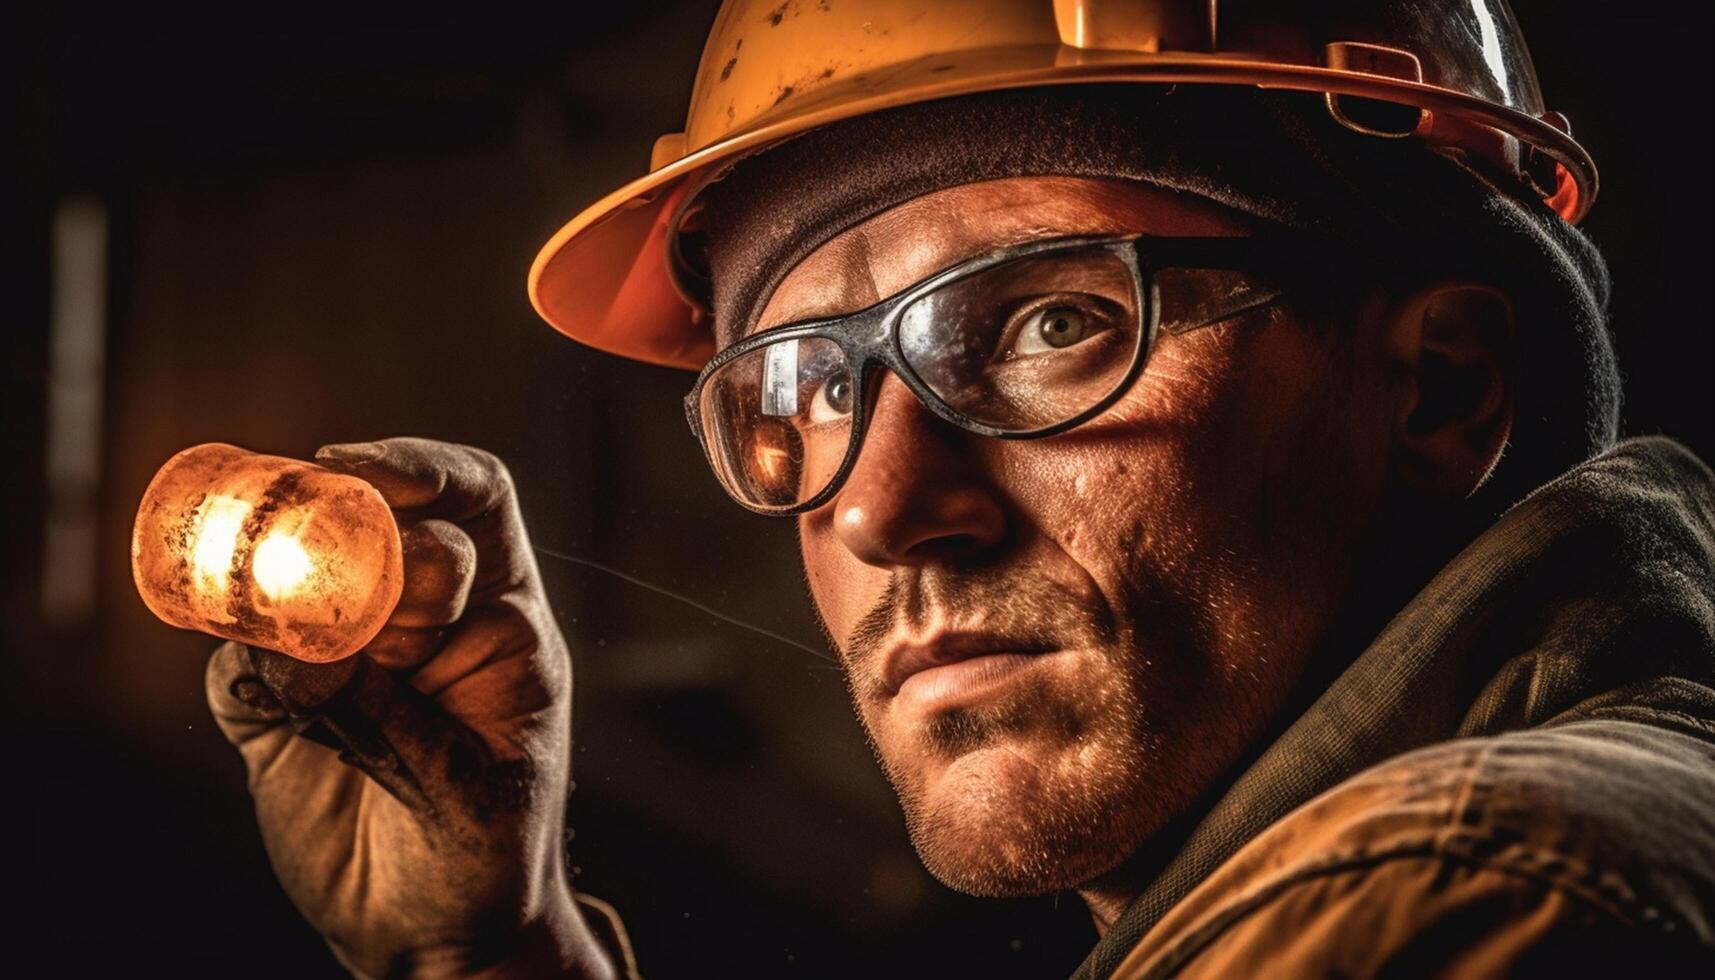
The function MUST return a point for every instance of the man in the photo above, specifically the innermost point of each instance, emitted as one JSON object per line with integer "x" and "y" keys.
{"x": 1193, "y": 479}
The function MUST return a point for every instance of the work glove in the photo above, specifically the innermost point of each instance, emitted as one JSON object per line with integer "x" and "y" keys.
{"x": 412, "y": 797}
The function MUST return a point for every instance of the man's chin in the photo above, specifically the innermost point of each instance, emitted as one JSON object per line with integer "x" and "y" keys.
{"x": 1002, "y": 820}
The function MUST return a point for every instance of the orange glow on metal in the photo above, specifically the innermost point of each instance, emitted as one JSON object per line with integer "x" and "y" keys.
{"x": 281, "y": 566}
{"x": 268, "y": 551}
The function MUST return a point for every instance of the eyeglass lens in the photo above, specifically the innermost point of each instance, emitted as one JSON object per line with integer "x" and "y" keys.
{"x": 777, "y": 420}
{"x": 1026, "y": 344}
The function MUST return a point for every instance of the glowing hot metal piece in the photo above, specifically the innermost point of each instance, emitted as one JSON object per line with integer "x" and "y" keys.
{"x": 268, "y": 551}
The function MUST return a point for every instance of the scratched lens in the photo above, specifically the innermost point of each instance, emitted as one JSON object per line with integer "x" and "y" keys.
{"x": 1029, "y": 343}
{"x": 777, "y": 421}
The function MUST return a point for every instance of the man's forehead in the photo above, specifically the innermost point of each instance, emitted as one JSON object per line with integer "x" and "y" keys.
{"x": 911, "y": 241}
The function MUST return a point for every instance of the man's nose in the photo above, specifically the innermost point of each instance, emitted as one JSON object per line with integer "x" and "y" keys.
{"x": 917, "y": 493}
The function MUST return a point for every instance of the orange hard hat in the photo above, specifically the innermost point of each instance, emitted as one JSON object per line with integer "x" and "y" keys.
{"x": 612, "y": 277}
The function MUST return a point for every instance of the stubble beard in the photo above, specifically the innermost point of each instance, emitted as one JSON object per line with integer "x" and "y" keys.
{"x": 1040, "y": 790}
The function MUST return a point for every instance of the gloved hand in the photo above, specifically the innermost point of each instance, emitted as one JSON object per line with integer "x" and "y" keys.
{"x": 412, "y": 798}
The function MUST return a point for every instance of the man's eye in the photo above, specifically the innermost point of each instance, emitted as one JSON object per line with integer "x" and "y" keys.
{"x": 1052, "y": 328}
{"x": 833, "y": 400}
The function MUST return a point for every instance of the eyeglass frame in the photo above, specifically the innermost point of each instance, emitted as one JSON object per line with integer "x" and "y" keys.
{"x": 868, "y": 339}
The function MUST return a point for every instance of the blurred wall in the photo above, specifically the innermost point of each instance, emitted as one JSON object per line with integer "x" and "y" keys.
{"x": 318, "y": 233}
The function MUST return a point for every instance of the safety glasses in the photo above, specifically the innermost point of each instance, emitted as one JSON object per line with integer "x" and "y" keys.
{"x": 1021, "y": 343}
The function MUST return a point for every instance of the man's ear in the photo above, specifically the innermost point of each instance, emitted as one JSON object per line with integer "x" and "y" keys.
{"x": 1452, "y": 345}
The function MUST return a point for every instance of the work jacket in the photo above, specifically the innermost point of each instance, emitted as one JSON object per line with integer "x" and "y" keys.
{"x": 1516, "y": 778}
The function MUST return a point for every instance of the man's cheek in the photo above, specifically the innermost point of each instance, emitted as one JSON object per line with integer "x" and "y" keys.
{"x": 1100, "y": 502}
{"x": 842, "y": 587}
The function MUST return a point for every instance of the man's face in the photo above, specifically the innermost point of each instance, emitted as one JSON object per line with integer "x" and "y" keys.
{"x": 1055, "y": 644}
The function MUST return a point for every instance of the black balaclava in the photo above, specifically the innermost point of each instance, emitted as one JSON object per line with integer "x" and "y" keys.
{"x": 1275, "y": 156}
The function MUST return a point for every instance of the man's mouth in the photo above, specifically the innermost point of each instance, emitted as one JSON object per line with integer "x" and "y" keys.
{"x": 943, "y": 669}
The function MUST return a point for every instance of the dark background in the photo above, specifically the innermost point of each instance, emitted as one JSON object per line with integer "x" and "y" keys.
{"x": 318, "y": 232}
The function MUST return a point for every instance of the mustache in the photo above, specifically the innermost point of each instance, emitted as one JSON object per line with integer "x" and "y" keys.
{"x": 1034, "y": 610}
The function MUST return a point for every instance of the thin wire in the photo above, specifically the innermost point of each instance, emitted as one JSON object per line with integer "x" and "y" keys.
{"x": 687, "y": 600}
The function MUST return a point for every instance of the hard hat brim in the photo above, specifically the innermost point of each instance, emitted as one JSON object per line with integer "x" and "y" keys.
{"x": 606, "y": 278}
